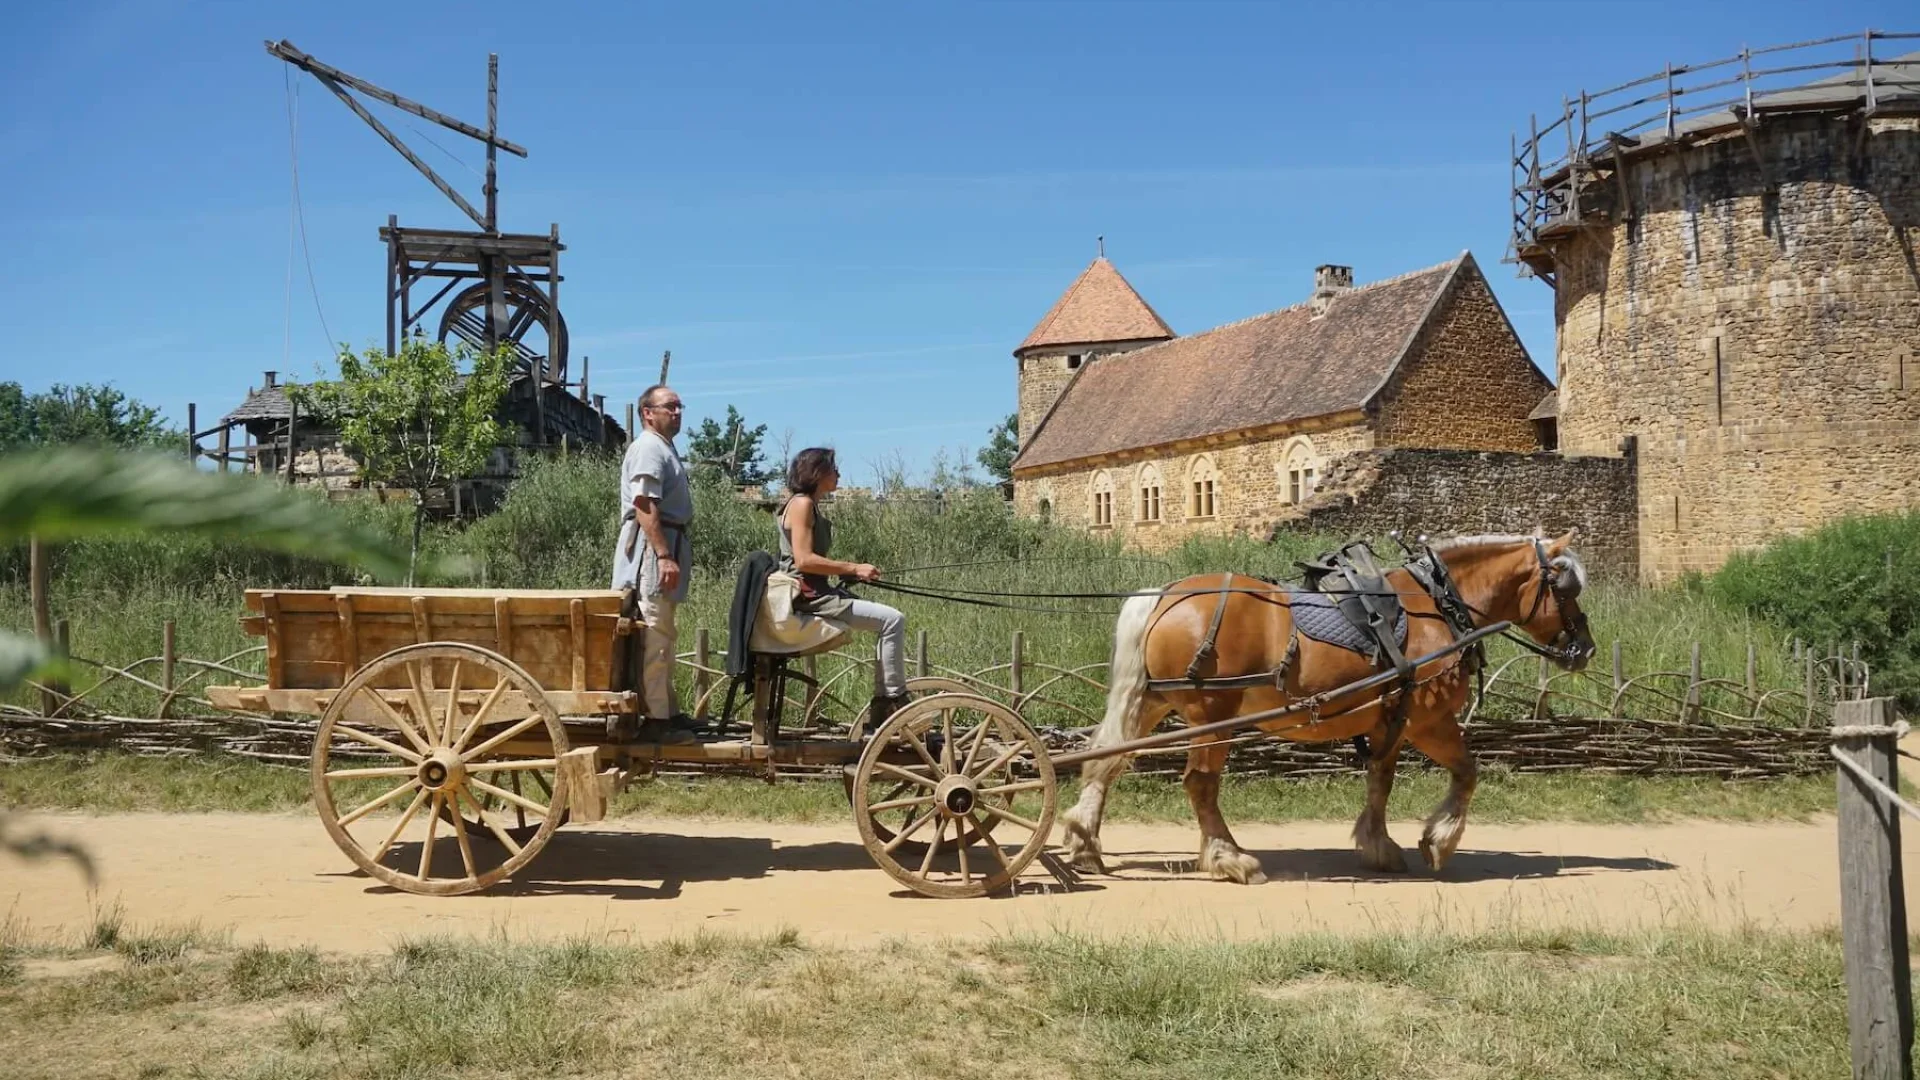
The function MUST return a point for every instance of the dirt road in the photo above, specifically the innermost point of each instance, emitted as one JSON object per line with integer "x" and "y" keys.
{"x": 279, "y": 879}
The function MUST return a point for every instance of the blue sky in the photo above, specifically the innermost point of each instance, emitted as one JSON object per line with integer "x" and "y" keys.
{"x": 840, "y": 218}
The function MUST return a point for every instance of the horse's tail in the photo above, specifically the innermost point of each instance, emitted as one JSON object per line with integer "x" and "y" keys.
{"x": 1127, "y": 681}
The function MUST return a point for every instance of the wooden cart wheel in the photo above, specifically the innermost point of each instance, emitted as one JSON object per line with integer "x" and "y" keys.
{"x": 918, "y": 686}
{"x": 980, "y": 796}
{"x": 423, "y": 736}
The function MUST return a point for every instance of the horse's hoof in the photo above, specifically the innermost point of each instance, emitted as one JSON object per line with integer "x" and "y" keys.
{"x": 1387, "y": 860}
{"x": 1224, "y": 863}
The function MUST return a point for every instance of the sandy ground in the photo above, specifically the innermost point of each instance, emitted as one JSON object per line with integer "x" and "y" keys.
{"x": 278, "y": 878}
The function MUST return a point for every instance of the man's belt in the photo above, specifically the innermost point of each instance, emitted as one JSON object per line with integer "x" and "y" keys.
{"x": 679, "y": 527}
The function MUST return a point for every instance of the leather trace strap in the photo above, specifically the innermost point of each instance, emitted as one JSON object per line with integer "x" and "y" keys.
{"x": 1207, "y": 649}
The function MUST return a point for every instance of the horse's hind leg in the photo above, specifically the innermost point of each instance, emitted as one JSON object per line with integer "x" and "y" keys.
{"x": 1446, "y": 744}
{"x": 1377, "y": 849}
{"x": 1080, "y": 825}
{"x": 1220, "y": 856}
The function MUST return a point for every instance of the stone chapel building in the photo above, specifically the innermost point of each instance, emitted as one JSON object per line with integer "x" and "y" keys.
{"x": 1129, "y": 428}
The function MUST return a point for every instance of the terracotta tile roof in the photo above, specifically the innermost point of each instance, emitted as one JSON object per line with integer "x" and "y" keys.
{"x": 1274, "y": 368}
{"x": 1098, "y": 306}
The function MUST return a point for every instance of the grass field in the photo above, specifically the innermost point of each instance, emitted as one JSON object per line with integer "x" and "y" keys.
{"x": 158, "y": 1002}
{"x": 122, "y": 782}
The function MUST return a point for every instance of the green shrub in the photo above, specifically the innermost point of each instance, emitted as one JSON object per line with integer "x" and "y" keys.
{"x": 1854, "y": 580}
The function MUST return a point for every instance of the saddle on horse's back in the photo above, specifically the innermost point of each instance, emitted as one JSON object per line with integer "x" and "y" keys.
{"x": 1350, "y": 604}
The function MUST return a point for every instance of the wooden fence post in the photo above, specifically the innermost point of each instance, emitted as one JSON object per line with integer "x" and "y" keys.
{"x": 38, "y": 577}
{"x": 1873, "y": 906}
{"x": 1690, "y": 711}
{"x": 812, "y": 669}
{"x": 1619, "y": 668}
{"x": 926, "y": 662}
{"x": 1753, "y": 668}
{"x": 703, "y": 656}
{"x": 1016, "y": 673}
{"x": 1807, "y": 657}
{"x": 167, "y": 657}
{"x": 62, "y": 649}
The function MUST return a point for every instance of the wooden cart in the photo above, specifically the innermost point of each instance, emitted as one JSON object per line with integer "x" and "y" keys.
{"x": 460, "y": 727}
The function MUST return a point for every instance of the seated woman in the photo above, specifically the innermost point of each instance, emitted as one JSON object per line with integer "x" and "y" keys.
{"x": 806, "y": 536}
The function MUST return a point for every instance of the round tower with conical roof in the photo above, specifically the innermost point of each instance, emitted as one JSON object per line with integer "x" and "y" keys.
{"x": 1100, "y": 314}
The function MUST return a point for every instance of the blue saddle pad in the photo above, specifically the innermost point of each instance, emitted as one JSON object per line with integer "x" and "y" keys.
{"x": 1315, "y": 615}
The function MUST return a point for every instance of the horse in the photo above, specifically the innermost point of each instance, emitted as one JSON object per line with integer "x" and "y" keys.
{"x": 1534, "y": 582}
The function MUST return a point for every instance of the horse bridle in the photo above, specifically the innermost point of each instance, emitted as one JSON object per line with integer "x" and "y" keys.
{"x": 1565, "y": 644}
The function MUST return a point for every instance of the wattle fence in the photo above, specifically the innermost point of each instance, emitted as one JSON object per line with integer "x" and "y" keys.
{"x": 1530, "y": 718}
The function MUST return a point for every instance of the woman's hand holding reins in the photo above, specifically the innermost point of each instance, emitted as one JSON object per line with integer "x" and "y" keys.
{"x": 866, "y": 572}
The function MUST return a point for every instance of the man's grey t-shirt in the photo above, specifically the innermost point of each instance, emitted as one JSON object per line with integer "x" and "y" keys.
{"x": 653, "y": 468}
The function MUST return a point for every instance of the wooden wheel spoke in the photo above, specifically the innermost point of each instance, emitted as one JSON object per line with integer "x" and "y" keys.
{"x": 382, "y": 770}
{"x": 420, "y": 702}
{"x": 376, "y": 804}
{"x": 460, "y": 834}
{"x": 920, "y": 748}
{"x": 480, "y": 715}
{"x": 433, "y": 826}
{"x": 453, "y": 705}
{"x": 973, "y": 749}
{"x": 374, "y": 740}
{"x": 895, "y": 804}
{"x": 507, "y": 796}
{"x": 960, "y": 844}
{"x": 946, "y": 741}
{"x": 991, "y": 845}
{"x": 1014, "y": 788}
{"x": 399, "y": 720}
{"x": 939, "y": 830}
{"x": 1001, "y": 761}
{"x": 1008, "y": 815}
{"x": 484, "y": 748}
{"x": 899, "y": 773}
{"x": 915, "y": 826}
{"x": 398, "y": 826}
{"x": 499, "y": 833}
{"x": 516, "y": 765}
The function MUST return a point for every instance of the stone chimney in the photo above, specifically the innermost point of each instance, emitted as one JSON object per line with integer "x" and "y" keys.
{"x": 272, "y": 379}
{"x": 1328, "y": 282}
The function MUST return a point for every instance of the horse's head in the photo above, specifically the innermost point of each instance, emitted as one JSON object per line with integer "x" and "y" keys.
{"x": 1549, "y": 602}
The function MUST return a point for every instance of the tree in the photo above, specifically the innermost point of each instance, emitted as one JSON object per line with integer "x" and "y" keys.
{"x": 69, "y": 492}
{"x": 733, "y": 448}
{"x": 1003, "y": 442}
{"x": 414, "y": 420}
{"x": 83, "y": 414}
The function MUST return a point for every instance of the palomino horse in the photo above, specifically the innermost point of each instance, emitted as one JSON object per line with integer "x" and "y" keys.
{"x": 1530, "y": 581}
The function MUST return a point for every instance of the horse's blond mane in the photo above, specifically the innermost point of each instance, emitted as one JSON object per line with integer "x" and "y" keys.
{"x": 1456, "y": 543}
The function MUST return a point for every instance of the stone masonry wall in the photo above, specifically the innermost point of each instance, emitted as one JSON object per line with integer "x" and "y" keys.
{"x": 1043, "y": 373}
{"x": 1249, "y": 488}
{"x": 1462, "y": 493}
{"x": 1756, "y": 327}
{"x": 1468, "y": 383}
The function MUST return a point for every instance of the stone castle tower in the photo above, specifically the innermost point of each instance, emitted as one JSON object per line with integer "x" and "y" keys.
{"x": 1100, "y": 314}
{"x": 1737, "y": 294}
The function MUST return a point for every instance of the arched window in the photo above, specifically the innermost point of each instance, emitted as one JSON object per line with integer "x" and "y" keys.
{"x": 1299, "y": 470}
{"x": 1102, "y": 498}
{"x": 1151, "y": 484}
{"x": 1046, "y": 510}
{"x": 1202, "y": 488}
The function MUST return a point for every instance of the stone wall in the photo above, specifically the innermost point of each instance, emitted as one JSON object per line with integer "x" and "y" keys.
{"x": 1457, "y": 493}
{"x": 1756, "y": 326}
{"x": 1043, "y": 372}
{"x": 1467, "y": 383}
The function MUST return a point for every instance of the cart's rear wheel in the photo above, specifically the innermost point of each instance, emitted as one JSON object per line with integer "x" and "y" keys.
{"x": 435, "y": 734}
{"x": 979, "y": 800}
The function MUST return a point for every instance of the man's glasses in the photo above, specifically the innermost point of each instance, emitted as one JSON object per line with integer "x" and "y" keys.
{"x": 675, "y": 407}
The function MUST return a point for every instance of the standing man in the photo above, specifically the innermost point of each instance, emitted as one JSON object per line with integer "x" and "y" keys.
{"x": 653, "y": 553}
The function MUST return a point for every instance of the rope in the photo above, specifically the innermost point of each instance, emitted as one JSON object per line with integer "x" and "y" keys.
{"x": 299, "y": 210}
{"x": 1898, "y": 729}
{"x": 1861, "y": 774}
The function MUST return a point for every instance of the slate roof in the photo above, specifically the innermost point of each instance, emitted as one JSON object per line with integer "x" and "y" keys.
{"x": 1275, "y": 368}
{"x": 265, "y": 403}
{"x": 1099, "y": 306}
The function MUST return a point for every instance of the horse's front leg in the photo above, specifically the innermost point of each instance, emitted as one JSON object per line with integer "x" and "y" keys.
{"x": 1377, "y": 849}
{"x": 1220, "y": 856}
{"x": 1446, "y": 744}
